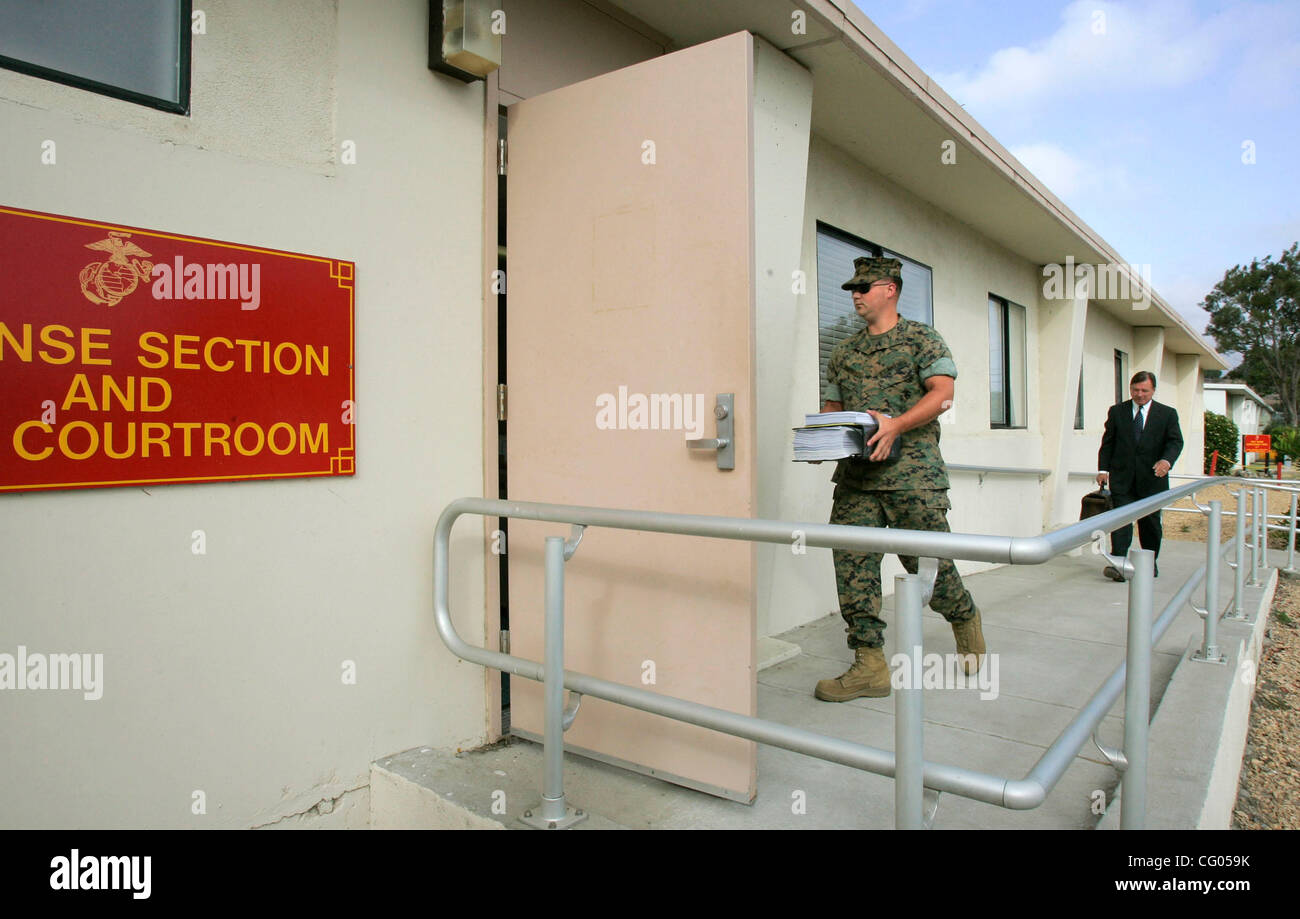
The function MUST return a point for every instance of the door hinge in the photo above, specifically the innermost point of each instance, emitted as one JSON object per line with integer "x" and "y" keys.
{"x": 501, "y": 156}
{"x": 501, "y": 402}
{"x": 504, "y": 643}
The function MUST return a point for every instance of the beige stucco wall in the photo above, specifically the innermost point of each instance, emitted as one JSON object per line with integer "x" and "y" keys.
{"x": 1247, "y": 416}
{"x": 1179, "y": 387}
{"x": 1191, "y": 410}
{"x": 1149, "y": 351}
{"x": 782, "y": 116}
{"x": 223, "y": 672}
{"x": 1103, "y": 335}
{"x": 552, "y": 43}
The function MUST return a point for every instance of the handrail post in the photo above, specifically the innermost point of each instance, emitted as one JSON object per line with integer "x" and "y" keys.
{"x": 909, "y": 763}
{"x": 1209, "y": 646}
{"x": 1137, "y": 690}
{"x": 1239, "y": 554}
{"x": 1290, "y": 538}
{"x": 1263, "y": 536}
{"x": 1254, "y": 539}
{"x": 553, "y": 813}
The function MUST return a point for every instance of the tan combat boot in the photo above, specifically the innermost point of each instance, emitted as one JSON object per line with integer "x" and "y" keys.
{"x": 970, "y": 643}
{"x": 869, "y": 676}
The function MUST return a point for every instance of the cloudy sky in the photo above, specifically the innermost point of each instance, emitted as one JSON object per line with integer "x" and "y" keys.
{"x": 1138, "y": 114}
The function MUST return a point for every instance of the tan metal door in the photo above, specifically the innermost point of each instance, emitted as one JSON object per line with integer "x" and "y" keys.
{"x": 630, "y": 307}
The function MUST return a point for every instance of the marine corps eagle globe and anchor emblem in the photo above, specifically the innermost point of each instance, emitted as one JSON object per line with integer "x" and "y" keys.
{"x": 117, "y": 276}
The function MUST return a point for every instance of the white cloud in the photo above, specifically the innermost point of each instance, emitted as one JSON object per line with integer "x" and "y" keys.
{"x": 1269, "y": 70}
{"x": 1058, "y": 170}
{"x": 1185, "y": 292}
{"x": 1101, "y": 48}
{"x": 1068, "y": 176}
{"x": 912, "y": 9}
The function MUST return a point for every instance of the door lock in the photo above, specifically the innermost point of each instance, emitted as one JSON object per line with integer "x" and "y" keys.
{"x": 724, "y": 443}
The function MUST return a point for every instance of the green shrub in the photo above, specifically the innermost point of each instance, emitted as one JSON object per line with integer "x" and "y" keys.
{"x": 1221, "y": 434}
{"x": 1286, "y": 441}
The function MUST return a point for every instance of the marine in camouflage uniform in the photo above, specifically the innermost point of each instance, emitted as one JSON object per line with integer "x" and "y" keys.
{"x": 887, "y": 373}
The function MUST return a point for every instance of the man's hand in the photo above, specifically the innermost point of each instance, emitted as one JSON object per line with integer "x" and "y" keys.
{"x": 1103, "y": 479}
{"x": 1162, "y": 468}
{"x": 883, "y": 440}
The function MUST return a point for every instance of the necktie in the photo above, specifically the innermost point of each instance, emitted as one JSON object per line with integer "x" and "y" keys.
{"x": 1137, "y": 424}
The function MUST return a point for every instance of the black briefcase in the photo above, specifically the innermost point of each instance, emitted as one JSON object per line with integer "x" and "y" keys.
{"x": 1098, "y": 502}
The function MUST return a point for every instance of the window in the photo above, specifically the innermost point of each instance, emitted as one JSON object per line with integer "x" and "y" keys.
{"x": 1121, "y": 376}
{"x": 836, "y": 317}
{"x": 1078, "y": 404}
{"x": 1007, "y": 378}
{"x": 137, "y": 50}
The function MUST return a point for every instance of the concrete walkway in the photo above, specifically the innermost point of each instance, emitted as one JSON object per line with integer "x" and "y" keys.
{"x": 1058, "y": 630}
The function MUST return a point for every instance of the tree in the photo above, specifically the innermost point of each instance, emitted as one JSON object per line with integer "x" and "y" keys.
{"x": 1221, "y": 434}
{"x": 1255, "y": 310}
{"x": 1254, "y": 373}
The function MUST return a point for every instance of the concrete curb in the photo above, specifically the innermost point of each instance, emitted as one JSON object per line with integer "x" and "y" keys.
{"x": 1198, "y": 736}
{"x": 396, "y": 803}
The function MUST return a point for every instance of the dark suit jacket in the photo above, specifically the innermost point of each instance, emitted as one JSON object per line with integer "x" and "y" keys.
{"x": 1130, "y": 464}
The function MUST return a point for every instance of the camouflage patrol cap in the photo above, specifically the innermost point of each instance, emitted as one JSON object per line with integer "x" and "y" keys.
{"x": 869, "y": 270}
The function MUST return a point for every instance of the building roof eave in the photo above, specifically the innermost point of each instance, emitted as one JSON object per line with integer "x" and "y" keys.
{"x": 856, "y": 67}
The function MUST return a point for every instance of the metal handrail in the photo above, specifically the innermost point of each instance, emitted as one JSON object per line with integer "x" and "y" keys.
{"x": 1279, "y": 484}
{"x": 998, "y": 470}
{"x": 1023, "y": 793}
{"x": 1283, "y": 484}
{"x": 1259, "y": 486}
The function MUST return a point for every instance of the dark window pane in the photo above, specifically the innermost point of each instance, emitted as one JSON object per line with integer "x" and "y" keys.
{"x": 1078, "y": 405}
{"x": 997, "y": 359}
{"x": 130, "y": 45}
{"x": 836, "y": 317}
{"x": 1017, "y": 388}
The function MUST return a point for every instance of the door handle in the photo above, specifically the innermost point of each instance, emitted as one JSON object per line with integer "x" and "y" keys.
{"x": 724, "y": 443}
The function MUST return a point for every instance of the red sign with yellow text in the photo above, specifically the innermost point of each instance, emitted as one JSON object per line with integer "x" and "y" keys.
{"x": 1257, "y": 443}
{"x": 133, "y": 357}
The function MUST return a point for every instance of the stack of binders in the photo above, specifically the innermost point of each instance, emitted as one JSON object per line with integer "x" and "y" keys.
{"x": 835, "y": 435}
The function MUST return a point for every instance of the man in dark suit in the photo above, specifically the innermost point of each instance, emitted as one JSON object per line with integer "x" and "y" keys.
{"x": 1140, "y": 444}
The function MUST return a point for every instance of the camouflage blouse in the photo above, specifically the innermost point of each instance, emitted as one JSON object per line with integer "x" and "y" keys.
{"x": 886, "y": 373}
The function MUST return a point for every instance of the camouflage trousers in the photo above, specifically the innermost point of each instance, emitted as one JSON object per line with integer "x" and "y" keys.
{"x": 857, "y": 575}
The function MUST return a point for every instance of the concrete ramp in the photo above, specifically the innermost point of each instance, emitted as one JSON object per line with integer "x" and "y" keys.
{"x": 1057, "y": 630}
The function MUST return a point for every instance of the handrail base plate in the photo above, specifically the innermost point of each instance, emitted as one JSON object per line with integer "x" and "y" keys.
{"x": 533, "y": 818}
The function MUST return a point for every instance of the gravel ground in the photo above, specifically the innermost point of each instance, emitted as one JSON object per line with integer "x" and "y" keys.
{"x": 1268, "y": 796}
